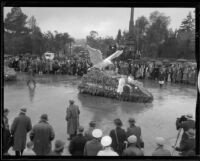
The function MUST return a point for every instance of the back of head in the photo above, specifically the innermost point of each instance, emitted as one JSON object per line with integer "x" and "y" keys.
{"x": 80, "y": 129}
{"x": 92, "y": 124}
{"x": 118, "y": 122}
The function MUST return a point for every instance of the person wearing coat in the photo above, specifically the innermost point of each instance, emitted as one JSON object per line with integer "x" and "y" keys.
{"x": 19, "y": 129}
{"x": 6, "y": 132}
{"x": 42, "y": 134}
{"x": 188, "y": 147}
{"x": 118, "y": 136}
{"x": 132, "y": 149}
{"x": 189, "y": 123}
{"x": 160, "y": 150}
{"x": 93, "y": 146}
{"x": 135, "y": 130}
{"x": 72, "y": 119}
{"x": 77, "y": 144}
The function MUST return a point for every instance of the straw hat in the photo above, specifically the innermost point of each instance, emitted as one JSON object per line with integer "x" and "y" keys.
{"x": 106, "y": 141}
{"x": 97, "y": 133}
{"x": 132, "y": 139}
{"x": 160, "y": 141}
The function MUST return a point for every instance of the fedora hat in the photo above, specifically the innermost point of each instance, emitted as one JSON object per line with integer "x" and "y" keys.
{"x": 59, "y": 145}
{"x": 23, "y": 110}
{"x": 44, "y": 117}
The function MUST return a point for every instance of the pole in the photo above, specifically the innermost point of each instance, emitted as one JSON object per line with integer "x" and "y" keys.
{"x": 176, "y": 140}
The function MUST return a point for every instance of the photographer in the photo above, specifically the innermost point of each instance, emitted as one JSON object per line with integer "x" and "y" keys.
{"x": 185, "y": 122}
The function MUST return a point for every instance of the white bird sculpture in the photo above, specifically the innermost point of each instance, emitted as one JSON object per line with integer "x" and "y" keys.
{"x": 97, "y": 60}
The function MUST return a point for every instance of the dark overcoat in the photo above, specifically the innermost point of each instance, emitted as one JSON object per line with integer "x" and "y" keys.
{"x": 92, "y": 147}
{"x": 76, "y": 147}
{"x": 135, "y": 130}
{"x": 72, "y": 119}
{"x": 132, "y": 150}
{"x": 19, "y": 129}
{"x": 42, "y": 134}
{"x": 121, "y": 135}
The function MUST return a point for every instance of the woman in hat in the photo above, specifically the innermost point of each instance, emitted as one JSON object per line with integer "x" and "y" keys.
{"x": 107, "y": 150}
{"x": 118, "y": 136}
{"x": 19, "y": 129}
{"x": 42, "y": 134}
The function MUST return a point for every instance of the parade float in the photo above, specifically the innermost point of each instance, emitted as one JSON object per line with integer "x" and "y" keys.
{"x": 101, "y": 82}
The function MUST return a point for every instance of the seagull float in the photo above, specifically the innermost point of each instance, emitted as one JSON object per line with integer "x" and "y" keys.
{"x": 98, "y": 61}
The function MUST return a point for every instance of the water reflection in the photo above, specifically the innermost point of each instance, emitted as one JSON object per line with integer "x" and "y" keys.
{"x": 31, "y": 87}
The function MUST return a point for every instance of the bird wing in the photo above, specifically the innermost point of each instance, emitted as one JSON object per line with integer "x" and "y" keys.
{"x": 95, "y": 55}
{"x": 114, "y": 55}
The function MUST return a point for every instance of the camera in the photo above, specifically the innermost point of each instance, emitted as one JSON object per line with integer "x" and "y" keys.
{"x": 179, "y": 121}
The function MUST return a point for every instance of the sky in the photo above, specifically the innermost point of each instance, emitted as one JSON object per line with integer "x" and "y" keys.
{"x": 78, "y": 22}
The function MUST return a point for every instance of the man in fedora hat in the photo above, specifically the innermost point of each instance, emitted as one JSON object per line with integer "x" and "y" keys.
{"x": 132, "y": 149}
{"x": 188, "y": 147}
{"x": 19, "y": 129}
{"x": 107, "y": 150}
{"x": 88, "y": 133}
{"x": 135, "y": 130}
{"x": 42, "y": 134}
{"x": 160, "y": 150}
{"x": 187, "y": 124}
{"x": 93, "y": 146}
{"x": 76, "y": 147}
{"x": 72, "y": 118}
{"x": 58, "y": 149}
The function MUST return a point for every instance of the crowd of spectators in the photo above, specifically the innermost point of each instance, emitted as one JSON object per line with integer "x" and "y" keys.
{"x": 176, "y": 73}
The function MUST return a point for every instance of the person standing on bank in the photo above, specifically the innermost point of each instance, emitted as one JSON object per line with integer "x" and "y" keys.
{"x": 42, "y": 134}
{"x": 118, "y": 136}
{"x": 160, "y": 150}
{"x": 135, "y": 130}
{"x": 19, "y": 129}
{"x": 132, "y": 149}
{"x": 72, "y": 118}
{"x": 76, "y": 147}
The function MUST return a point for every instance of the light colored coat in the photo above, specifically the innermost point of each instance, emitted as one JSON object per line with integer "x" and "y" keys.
{"x": 72, "y": 119}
